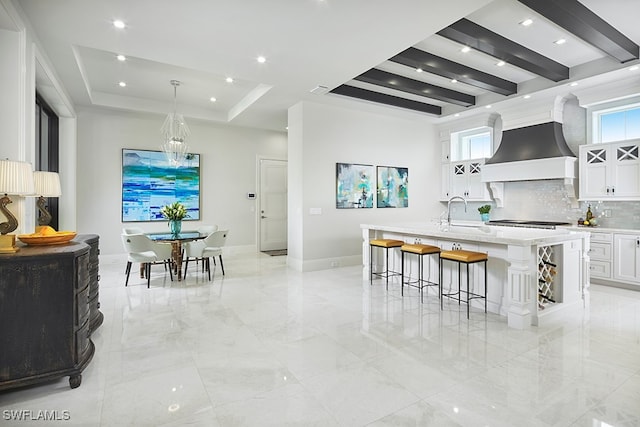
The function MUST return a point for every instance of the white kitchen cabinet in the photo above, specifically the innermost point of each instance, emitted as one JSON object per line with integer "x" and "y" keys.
{"x": 626, "y": 258}
{"x": 610, "y": 171}
{"x": 465, "y": 180}
{"x": 445, "y": 188}
{"x": 601, "y": 255}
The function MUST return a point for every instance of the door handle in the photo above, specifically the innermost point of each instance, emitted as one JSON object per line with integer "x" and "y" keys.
{"x": 263, "y": 217}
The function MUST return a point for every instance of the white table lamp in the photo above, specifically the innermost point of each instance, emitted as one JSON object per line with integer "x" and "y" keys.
{"x": 47, "y": 184}
{"x": 16, "y": 178}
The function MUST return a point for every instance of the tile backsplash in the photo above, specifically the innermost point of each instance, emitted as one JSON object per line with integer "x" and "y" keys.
{"x": 547, "y": 201}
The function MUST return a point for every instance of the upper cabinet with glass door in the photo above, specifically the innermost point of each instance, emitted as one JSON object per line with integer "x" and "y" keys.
{"x": 461, "y": 176}
{"x": 610, "y": 167}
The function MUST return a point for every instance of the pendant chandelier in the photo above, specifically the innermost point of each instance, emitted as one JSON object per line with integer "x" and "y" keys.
{"x": 175, "y": 132}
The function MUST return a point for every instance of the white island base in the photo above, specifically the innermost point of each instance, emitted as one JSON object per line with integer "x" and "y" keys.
{"x": 533, "y": 275}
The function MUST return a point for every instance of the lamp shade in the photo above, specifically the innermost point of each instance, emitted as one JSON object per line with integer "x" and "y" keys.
{"x": 47, "y": 184}
{"x": 16, "y": 178}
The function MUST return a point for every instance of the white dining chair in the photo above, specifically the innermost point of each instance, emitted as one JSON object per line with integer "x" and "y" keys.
{"x": 132, "y": 230}
{"x": 141, "y": 249}
{"x": 207, "y": 229}
{"x": 197, "y": 246}
{"x": 206, "y": 249}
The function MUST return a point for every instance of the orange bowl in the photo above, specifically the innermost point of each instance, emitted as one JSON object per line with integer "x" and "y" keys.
{"x": 48, "y": 239}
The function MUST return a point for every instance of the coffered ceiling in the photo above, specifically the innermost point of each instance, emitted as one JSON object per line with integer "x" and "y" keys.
{"x": 507, "y": 48}
{"x": 361, "y": 53}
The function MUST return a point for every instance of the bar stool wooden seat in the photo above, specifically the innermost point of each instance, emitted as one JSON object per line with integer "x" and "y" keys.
{"x": 385, "y": 244}
{"x": 420, "y": 250}
{"x": 464, "y": 257}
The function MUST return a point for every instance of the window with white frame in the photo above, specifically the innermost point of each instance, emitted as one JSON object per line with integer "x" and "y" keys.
{"x": 616, "y": 124}
{"x": 471, "y": 144}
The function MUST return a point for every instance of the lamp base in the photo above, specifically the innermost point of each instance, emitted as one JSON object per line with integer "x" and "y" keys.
{"x": 8, "y": 244}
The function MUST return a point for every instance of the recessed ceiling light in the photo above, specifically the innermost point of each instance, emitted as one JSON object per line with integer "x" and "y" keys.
{"x": 121, "y": 58}
{"x": 526, "y": 22}
{"x": 500, "y": 63}
{"x": 213, "y": 99}
{"x": 527, "y": 96}
{"x": 634, "y": 68}
{"x": 560, "y": 41}
{"x": 419, "y": 70}
{"x": 465, "y": 49}
{"x": 261, "y": 59}
{"x": 229, "y": 80}
{"x": 456, "y": 115}
{"x": 454, "y": 81}
{"x": 488, "y": 106}
{"x": 122, "y": 84}
{"x": 574, "y": 84}
{"x": 118, "y": 24}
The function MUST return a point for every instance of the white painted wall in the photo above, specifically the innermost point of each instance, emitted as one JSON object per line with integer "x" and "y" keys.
{"x": 17, "y": 105}
{"x": 228, "y": 158}
{"x": 9, "y": 114}
{"x": 321, "y": 136}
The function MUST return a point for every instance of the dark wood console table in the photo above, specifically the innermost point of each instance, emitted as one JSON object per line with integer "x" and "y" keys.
{"x": 45, "y": 313}
{"x": 95, "y": 316}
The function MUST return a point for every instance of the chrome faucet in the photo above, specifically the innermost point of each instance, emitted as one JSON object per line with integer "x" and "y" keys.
{"x": 449, "y": 207}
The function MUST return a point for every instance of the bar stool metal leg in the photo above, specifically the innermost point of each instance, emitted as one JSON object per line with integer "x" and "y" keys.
{"x": 385, "y": 244}
{"x": 466, "y": 257}
{"x": 420, "y": 251}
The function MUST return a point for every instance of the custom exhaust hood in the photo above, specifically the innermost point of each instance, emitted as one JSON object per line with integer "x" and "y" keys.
{"x": 531, "y": 153}
{"x": 537, "y": 152}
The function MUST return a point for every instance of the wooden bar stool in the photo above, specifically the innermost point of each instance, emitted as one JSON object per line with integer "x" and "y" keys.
{"x": 420, "y": 250}
{"x": 464, "y": 257}
{"x": 384, "y": 244}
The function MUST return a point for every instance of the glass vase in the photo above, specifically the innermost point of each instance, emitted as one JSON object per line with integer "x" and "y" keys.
{"x": 175, "y": 226}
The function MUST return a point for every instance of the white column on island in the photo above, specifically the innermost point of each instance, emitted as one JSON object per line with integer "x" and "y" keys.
{"x": 367, "y": 234}
{"x": 520, "y": 285}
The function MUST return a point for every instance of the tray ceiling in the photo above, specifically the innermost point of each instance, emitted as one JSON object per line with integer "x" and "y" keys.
{"x": 364, "y": 53}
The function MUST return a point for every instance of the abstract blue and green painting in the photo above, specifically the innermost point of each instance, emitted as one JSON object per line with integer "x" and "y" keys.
{"x": 393, "y": 187}
{"x": 354, "y": 186}
{"x": 149, "y": 182}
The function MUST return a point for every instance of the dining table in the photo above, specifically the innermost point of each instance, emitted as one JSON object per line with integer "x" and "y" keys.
{"x": 176, "y": 241}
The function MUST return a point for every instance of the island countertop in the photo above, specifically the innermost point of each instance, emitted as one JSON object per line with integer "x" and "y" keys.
{"x": 483, "y": 233}
{"x": 515, "y": 276}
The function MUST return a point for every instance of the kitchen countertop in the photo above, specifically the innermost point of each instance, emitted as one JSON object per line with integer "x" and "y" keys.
{"x": 483, "y": 233}
{"x": 604, "y": 229}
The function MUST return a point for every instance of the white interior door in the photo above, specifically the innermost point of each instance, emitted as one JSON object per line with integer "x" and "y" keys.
{"x": 273, "y": 204}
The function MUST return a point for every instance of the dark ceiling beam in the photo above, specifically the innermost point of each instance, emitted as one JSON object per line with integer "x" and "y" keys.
{"x": 383, "y": 98}
{"x": 470, "y": 34}
{"x": 416, "y": 58}
{"x": 415, "y": 87}
{"x": 576, "y": 18}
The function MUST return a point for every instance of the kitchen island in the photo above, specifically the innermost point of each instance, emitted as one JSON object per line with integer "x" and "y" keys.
{"x": 534, "y": 275}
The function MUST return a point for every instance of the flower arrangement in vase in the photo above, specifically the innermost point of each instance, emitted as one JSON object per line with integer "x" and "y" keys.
{"x": 174, "y": 213}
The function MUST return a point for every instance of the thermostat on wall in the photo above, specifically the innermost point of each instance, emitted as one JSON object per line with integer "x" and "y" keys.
{"x": 251, "y": 196}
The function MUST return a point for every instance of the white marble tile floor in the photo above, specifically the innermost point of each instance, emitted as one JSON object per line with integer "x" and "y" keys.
{"x": 269, "y": 346}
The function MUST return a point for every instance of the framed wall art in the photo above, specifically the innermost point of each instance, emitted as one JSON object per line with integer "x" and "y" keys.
{"x": 354, "y": 186}
{"x": 392, "y": 187}
{"x": 149, "y": 182}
